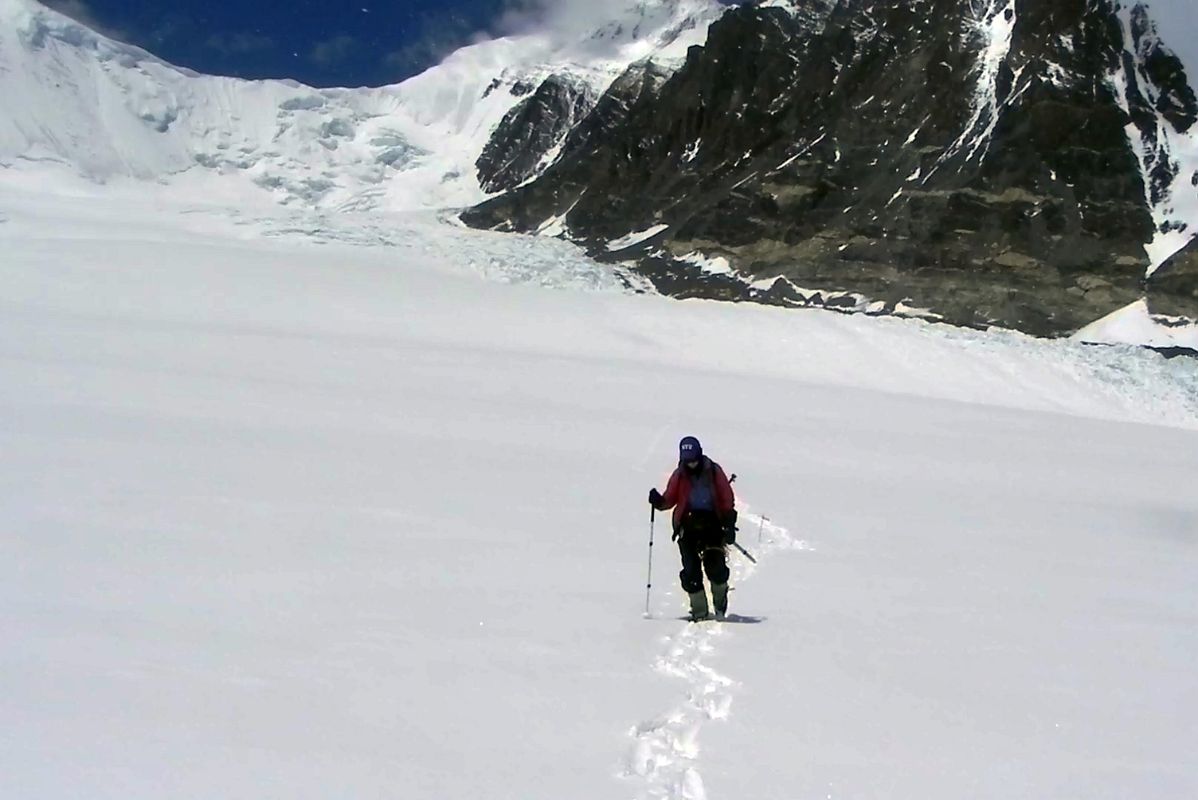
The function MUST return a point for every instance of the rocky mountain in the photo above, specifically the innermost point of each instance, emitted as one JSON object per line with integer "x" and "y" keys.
{"x": 1174, "y": 286}
{"x": 1019, "y": 163}
{"x": 988, "y": 162}
{"x": 530, "y": 132}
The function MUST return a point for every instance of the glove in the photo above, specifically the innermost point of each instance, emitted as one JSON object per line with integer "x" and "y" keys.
{"x": 729, "y": 533}
{"x": 654, "y": 497}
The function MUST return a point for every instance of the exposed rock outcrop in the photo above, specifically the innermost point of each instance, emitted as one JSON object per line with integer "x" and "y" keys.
{"x": 529, "y": 133}
{"x": 1173, "y": 288}
{"x": 971, "y": 159}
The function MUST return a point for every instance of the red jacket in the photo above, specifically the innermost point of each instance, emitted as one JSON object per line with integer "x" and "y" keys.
{"x": 678, "y": 491}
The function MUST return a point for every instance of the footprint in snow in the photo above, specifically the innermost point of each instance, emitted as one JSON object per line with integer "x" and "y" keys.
{"x": 665, "y": 750}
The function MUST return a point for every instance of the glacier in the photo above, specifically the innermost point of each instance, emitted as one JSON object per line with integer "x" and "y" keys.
{"x": 310, "y": 491}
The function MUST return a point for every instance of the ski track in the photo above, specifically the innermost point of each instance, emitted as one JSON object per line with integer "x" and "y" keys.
{"x": 664, "y": 754}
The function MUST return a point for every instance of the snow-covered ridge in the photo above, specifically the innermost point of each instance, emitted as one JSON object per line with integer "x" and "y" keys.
{"x": 109, "y": 110}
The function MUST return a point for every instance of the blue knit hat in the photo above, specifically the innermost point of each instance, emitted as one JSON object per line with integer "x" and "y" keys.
{"x": 689, "y": 449}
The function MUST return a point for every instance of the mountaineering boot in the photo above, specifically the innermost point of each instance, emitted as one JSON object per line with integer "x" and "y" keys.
{"x": 698, "y": 605}
{"x": 719, "y": 597}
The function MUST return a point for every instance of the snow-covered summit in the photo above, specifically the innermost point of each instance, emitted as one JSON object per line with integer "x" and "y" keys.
{"x": 662, "y": 29}
{"x": 110, "y": 110}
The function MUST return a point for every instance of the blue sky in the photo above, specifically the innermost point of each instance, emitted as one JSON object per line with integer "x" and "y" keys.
{"x": 319, "y": 42}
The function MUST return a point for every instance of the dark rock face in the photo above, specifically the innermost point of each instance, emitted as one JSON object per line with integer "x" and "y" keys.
{"x": 1158, "y": 93}
{"x": 1173, "y": 288}
{"x": 530, "y": 131}
{"x": 922, "y": 153}
{"x": 585, "y": 151}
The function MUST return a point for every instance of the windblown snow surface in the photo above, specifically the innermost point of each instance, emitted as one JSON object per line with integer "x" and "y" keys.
{"x": 301, "y": 499}
{"x": 306, "y": 506}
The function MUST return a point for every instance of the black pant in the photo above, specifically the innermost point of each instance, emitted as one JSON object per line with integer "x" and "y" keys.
{"x": 701, "y": 542}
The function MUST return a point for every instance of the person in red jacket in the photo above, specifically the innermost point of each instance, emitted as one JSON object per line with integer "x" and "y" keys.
{"x": 704, "y": 522}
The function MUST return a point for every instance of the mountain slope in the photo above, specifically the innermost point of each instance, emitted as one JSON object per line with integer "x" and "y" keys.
{"x": 280, "y": 520}
{"x": 109, "y": 110}
{"x": 1028, "y": 166}
{"x": 983, "y": 164}
{"x": 282, "y": 516}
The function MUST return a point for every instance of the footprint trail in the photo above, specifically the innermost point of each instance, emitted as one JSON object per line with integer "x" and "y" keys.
{"x": 663, "y": 758}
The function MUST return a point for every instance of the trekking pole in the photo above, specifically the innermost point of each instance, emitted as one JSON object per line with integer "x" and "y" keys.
{"x": 649, "y": 579}
{"x": 745, "y": 552}
{"x": 734, "y": 544}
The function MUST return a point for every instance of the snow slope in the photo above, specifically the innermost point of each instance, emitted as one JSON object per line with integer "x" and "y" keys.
{"x": 109, "y": 109}
{"x": 308, "y": 500}
{"x": 1134, "y": 323}
{"x": 282, "y": 515}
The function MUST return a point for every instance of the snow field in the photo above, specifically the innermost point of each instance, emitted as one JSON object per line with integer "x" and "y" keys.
{"x": 309, "y": 502}
{"x": 286, "y": 517}
{"x": 664, "y": 758}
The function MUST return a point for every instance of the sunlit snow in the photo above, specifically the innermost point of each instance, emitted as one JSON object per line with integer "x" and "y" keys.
{"x": 1135, "y": 324}
{"x": 112, "y": 110}
{"x": 636, "y": 237}
{"x": 329, "y": 499}
{"x": 293, "y": 510}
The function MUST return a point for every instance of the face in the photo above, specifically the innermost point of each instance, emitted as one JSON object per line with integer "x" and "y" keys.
{"x": 692, "y": 464}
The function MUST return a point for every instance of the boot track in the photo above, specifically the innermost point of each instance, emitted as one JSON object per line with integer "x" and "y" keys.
{"x": 663, "y": 757}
